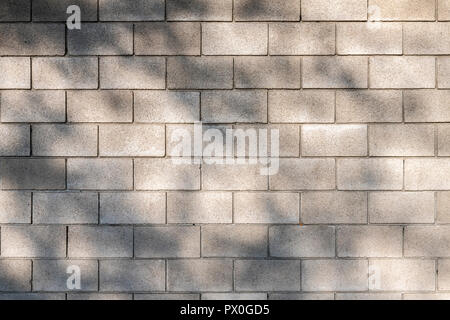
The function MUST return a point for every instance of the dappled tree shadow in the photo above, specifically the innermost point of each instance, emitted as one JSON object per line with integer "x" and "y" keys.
{"x": 190, "y": 76}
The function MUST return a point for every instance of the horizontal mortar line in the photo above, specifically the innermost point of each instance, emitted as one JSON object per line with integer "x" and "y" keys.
{"x": 299, "y": 259}
{"x": 61, "y": 21}
{"x": 222, "y": 191}
{"x": 222, "y": 89}
{"x": 361, "y": 55}
{"x": 208, "y": 158}
{"x": 212, "y": 224}
{"x": 261, "y": 225}
{"x": 193, "y": 90}
{"x": 221, "y": 123}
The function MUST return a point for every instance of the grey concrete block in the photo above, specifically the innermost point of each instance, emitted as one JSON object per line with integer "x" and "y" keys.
{"x": 200, "y": 275}
{"x": 100, "y": 242}
{"x": 264, "y": 275}
{"x": 32, "y": 174}
{"x": 15, "y": 275}
{"x": 101, "y": 39}
{"x": 132, "y": 208}
{"x": 234, "y": 241}
{"x": 15, "y": 207}
{"x": 167, "y": 242}
{"x": 35, "y": 241}
{"x": 33, "y": 106}
{"x": 335, "y": 275}
{"x": 302, "y": 241}
{"x": 65, "y": 208}
{"x": 100, "y": 174}
{"x": 132, "y": 275}
{"x": 131, "y": 10}
{"x": 32, "y": 39}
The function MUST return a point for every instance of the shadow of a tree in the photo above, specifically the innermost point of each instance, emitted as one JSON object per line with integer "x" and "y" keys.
{"x": 190, "y": 70}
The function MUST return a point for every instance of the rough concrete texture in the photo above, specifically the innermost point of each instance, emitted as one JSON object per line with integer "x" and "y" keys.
{"x": 90, "y": 125}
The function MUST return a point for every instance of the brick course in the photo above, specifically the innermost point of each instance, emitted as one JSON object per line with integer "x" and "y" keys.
{"x": 90, "y": 173}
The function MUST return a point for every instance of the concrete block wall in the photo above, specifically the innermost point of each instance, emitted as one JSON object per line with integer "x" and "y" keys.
{"x": 360, "y": 207}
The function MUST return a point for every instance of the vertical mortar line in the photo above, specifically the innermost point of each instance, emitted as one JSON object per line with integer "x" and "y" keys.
{"x": 65, "y": 175}
{"x": 134, "y": 254}
{"x": 200, "y": 106}
{"x": 301, "y": 72}
{"x": 31, "y": 74}
{"x": 200, "y": 230}
{"x": 66, "y": 117}
{"x": 436, "y": 275}
{"x": 165, "y": 141}
{"x": 98, "y": 141}
{"x": 335, "y": 242}
{"x": 335, "y": 39}
{"x": 268, "y": 40}
{"x": 166, "y": 61}
{"x": 436, "y": 195}
{"x": 436, "y": 140}
{"x": 32, "y": 274}
{"x": 166, "y": 195}
{"x": 133, "y": 37}
{"x": 368, "y": 140}
{"x": 66, "y": 47}
{"x": 403, "y": 241}
{"x": 98, "y": 208}
{"x": 133, "y": 173}
{"x": 166, "y": 275}
{"x": 232, "y": 207}
{"x": 300, "y": 220}
{"x": 234, "y": 74}
{"x": 98, "y": 275}
{"x": 234, "y": 275}
{"x": 437, "y": 10}
{"x": 336, "y": 187}
{"x": 133, "y": 103}
{"x": 300, "y": 10}
{"x": 335, "y": 106}
{"x": 404, "y": 171}
{"x": 367, "y": 11}
{"x": 367, "y": 207}
{"x": 403, "y": 39}
{"x": 232, "y": 10}
{"x": 31, "y": 140}
{"x": 300, "y": 144}
{"x": 436, "y": 72}
{"x": 98, "y": 73}
{"x": 267, "y": 107}
{"x": 300, "y": 275}
{"x": 98, "y": 10}
{"x": 67, "y": 242}
{"x": 201, "y": 39}
{"x": 403, "y": 106}
{"x": 31, "y": 206}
